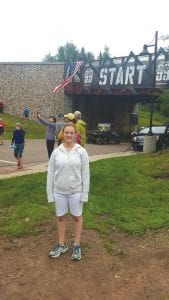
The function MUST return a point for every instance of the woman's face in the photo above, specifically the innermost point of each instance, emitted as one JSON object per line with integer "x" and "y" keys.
{"x": 69, "y": 134}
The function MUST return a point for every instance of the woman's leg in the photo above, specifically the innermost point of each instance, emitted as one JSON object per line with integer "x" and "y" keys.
{"x": 78, "y": 227}
{"x": 61, "y": 246}
{"x": 61, "y": 223}
{"x": 76, "y": 209}
{"x": 61, "y": 208}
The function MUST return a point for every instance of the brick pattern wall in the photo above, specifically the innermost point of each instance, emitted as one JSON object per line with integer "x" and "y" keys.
{"x": 30, "y": 85}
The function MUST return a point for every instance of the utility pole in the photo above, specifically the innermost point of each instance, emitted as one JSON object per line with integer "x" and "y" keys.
{"x": 149, "y": 145}
{"x": 154, "y": 81}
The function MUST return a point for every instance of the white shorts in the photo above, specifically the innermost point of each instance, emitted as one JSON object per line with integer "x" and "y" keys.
{"x": 64, "y": 203}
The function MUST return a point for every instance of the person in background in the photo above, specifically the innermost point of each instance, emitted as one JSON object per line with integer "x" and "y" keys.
{"x": 2, "y": 131}
{"x": 71, "y": 118}
{"x": 61, "y": 123}
{"x": 80, "y": 126}
{"x": 51, "y": 128}
{"x": 68, "y": 118}
{"x": 1, "y": 106}
{"x": 18, "y": 140}
{"x": 68, "y": 186}
{"x": 60, "y": 117}
{"x": 26, "y": 113}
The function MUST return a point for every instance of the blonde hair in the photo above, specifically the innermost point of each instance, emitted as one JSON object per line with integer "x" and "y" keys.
{"x": 69, "y": 125}
{"x": 18, "y": 124}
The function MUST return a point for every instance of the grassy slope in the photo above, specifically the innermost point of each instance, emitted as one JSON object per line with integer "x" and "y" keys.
{"x": 33, "y": 129}
{"x": 144, "y": 117}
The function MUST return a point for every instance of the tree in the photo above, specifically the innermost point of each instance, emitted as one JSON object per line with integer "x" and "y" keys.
{"x": 49, "y": 58}
{"x": 164, "y": 106}
{"x": 100, "y": 56}
{"x": 89, "y": 56}
{"x": 60, "y": 56}
{"x": 106, "y": 53}
{"x": 82, "y": 54}
{"x": 69, "y": 53}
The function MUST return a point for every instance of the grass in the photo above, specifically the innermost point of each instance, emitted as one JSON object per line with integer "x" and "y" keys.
{"x": 127, "y": 193}
{"x": 134, "y": 196}
{"x": 144, "y": 117}
{"x": 33, "y": 129}
{"x": 22, "y": 208}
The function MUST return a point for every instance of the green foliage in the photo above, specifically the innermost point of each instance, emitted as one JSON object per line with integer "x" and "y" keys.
{"x": 105, "y": 55}
{"x": 144, "y": 116}
{"x": 164, "y": 106}
{"x": 33, "y": 129}
{"x": 126, "y": 193}
{"x": 69, "y": 53}
{"x": 160, "y": 111}
{"x": 49, "y": 58}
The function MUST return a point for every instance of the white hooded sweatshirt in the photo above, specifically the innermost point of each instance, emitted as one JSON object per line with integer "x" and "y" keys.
{"x": 68, "y": 172}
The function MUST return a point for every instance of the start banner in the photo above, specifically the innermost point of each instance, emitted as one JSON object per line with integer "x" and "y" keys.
{"x": 132, "y": 71}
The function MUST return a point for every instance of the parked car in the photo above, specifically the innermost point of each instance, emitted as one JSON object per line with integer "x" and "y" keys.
{"x": 161, "y": 133}
{"x": 103, "y": 135}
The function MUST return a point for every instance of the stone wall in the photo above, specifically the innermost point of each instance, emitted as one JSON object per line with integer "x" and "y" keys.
{"x": 30, "y": 84}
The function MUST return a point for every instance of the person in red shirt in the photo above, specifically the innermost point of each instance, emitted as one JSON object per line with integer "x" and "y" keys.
{"x": 2, "y": 130}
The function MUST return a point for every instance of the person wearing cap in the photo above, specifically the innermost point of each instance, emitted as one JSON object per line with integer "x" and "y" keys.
{"x": 18, "y": 140}
{"x": 61, "y": 123}
{"x": 60, "y": 120}
{"x": 69, "y": 118}
{"x": 80, "y": 126}
{"x": 2, "y": 131}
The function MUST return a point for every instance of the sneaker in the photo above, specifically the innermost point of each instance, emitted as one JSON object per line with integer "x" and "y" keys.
{"x": 58, "y": 250}
{"x": 76, "y": 255}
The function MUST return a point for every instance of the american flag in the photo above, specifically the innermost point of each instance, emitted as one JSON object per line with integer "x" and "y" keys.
{"x": 73, "y": 69}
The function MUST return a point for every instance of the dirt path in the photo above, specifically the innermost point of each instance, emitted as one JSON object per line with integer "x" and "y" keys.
{"x": 136, "y": 269}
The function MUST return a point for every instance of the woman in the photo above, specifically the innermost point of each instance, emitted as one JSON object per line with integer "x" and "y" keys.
{"x": 18, "y": 140}
{"x": 68, "y": 186}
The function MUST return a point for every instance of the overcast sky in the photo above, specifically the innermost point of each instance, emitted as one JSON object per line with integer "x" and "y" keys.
{"x": 30, "y": 29}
